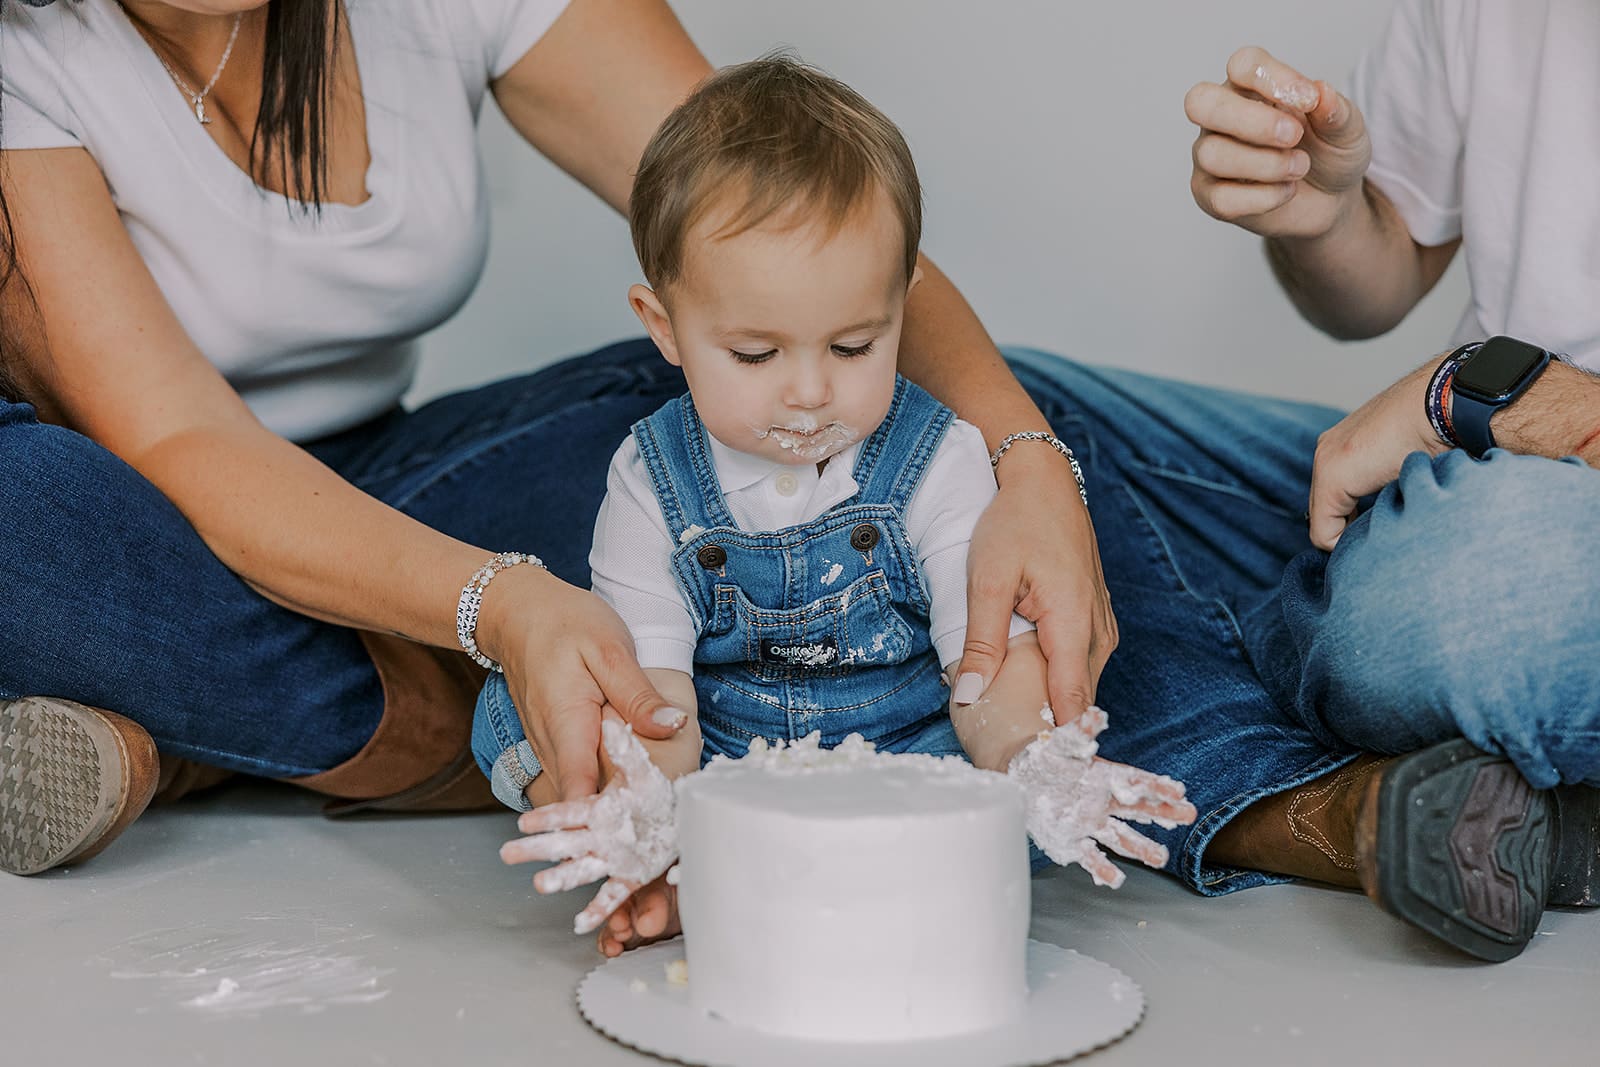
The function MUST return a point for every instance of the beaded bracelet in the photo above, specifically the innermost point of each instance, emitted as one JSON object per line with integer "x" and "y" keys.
{"x": 1439, "y": 390}
{"x": 1054, "y": 442}
{"x": 472, "y": 599}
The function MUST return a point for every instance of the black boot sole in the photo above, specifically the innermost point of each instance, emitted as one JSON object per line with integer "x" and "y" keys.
{"x": 1466, "y": 850}
{"x": 1576, "y": 881}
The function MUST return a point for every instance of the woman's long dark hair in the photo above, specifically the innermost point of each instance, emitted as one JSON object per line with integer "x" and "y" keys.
{"x": 290, "y": 138}
{"x": 291, "y": 134}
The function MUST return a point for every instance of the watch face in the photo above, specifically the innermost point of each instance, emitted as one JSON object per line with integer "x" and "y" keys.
{"x": 1498, "y": 369}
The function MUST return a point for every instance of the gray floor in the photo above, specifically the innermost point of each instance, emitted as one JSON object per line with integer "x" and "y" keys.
{"x": 239, "y": 928}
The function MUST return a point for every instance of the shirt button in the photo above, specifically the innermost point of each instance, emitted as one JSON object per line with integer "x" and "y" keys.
{"x": 786, "y": 484}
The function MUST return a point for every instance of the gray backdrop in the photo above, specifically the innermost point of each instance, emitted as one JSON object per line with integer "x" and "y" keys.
{"x": 1053, "y": 145}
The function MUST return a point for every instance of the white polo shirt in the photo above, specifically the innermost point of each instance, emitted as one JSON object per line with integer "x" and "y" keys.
{"x": 632, "y": 555}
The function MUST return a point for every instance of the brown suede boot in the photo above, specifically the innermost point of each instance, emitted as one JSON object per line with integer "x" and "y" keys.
{"x": 72, "y": 778}
{"x": 183, "y": 777}
{"x": 420, "y": 757}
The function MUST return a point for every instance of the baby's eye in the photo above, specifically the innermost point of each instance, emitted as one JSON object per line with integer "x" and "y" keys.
{"x": 752, "y": 357}
{"x": 852, "y": 351}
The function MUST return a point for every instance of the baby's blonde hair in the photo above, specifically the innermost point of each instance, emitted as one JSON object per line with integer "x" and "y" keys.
{"x": 780, "y": 134}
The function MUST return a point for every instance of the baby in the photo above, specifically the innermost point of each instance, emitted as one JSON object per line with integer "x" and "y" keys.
{"x": 788, "y": 542}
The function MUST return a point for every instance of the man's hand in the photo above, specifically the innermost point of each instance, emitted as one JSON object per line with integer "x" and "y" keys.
{"x": 1076, "y": 799}
{"x": 567, "y": 656}
{"x": 626, "y": 834}
{"x": 1034, "y": 552}
{"x": 1362, "y": 452}
{"x": 1278, "y": 154}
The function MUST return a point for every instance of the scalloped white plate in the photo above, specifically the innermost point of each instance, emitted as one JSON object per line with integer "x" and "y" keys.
{"x": 1075, "y": 1004}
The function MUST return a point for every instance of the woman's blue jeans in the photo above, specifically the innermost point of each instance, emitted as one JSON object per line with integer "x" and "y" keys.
{"x": 1462, "y": 602}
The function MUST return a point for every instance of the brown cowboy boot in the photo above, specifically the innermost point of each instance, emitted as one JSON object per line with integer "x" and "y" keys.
{"x": 71, "y": 779}
{"x": 420, "y": 757}
{"x": 1450, "y": 839}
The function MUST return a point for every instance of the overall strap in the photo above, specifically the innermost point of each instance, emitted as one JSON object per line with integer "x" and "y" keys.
{"x": 896, "y": 456}
{"x": 673, "y": 446}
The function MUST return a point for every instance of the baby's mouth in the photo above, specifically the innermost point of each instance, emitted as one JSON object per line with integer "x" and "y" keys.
{"x": 812, "y": 441}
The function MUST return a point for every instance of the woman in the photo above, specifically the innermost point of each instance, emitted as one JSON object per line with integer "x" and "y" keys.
{"x": 234, "y": 218}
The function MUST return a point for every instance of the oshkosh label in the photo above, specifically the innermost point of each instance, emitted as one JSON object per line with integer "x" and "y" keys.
{"x": 822, "y": 653}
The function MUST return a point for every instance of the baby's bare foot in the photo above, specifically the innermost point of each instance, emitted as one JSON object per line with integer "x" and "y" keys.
{"x": 651, "y": 915}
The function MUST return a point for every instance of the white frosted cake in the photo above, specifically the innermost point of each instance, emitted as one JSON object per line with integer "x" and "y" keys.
{"x": 848, "y": 895}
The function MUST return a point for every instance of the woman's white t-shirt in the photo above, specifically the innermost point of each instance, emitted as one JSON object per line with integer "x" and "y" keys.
{"x": 313, "y": 319}
{"x": 1482, "y": 116}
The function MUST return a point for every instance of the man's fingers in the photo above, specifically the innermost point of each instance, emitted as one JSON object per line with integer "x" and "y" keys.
{"x": 1330, "y": 511}
{"x": 1254, "y": 69}
{"x": 1219, "y": 109}
{"x": 627, "y": 689}
{"x": 1229, "y": 201}
{"x": 1336, "y": 120}
{"x": 1233, "y": 160}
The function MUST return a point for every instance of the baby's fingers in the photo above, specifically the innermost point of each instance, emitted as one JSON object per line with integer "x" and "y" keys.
{"x": 1163, "y": 813}
{"x": 570, "y": 875}
{"x": 568, "y": 815}
{"x": 553, "y": 845}
{"x": 1126, "y": 841}
{"x": 1100, "y": 868}
{"x": 612, "y": 896}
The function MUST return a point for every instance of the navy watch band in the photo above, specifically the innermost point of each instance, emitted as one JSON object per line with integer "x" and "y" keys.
{"x": 1469, "y": 418}
{"x": 1487, "y": 379}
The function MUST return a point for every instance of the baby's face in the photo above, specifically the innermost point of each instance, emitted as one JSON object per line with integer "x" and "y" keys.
{"x": 788, "y": 334}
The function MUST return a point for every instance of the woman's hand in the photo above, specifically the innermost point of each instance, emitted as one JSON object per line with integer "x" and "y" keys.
{"x": 1362, "y": 452}
{"x": 1034, "y": 552}
{"x": 1277, "y": 154}
{"x": 626, "y": 834}
{"x": 567, "y": 657}
{"x": 1076, "y": 800}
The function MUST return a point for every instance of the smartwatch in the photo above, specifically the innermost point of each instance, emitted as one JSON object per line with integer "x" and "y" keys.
{"x": 1487, "y": 380}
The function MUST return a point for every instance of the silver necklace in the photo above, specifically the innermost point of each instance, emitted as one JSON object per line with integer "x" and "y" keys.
{"x": 198, "y": 100}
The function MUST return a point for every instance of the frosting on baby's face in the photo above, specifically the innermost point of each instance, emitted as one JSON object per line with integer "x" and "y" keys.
{"x": 788, "y": 331}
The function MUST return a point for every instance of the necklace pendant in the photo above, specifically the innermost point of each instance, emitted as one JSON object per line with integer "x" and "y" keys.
{"x": 200, "y": 111}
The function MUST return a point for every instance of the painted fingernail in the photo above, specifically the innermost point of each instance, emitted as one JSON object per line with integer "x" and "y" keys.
{"x": 969, "y": 687}
{"x": 669, "y": 716}
{"x": 1288, "y": 130}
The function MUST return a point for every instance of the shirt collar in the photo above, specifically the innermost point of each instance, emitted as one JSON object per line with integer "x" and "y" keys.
{"x": 739, "y": 470}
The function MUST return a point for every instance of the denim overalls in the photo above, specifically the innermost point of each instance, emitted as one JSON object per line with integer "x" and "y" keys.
{"x": 821, "y": 626}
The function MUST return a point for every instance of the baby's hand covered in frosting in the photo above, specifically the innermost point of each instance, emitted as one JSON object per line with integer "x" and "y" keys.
{"x": 1077, "y": 801}
{"x": 625, "y": 834}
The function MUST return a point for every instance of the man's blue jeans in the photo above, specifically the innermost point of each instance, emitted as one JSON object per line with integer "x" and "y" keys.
{"x": 1461, "y": 602}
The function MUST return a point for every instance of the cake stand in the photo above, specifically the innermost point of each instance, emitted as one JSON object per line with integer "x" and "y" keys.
{"x": 1075, "y": 1004}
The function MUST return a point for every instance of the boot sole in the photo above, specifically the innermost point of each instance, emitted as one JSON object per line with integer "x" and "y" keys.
{"x": 1576, "y": 881}
{"x": 1459, "y": 845}
{"x": 64, "y": 783}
